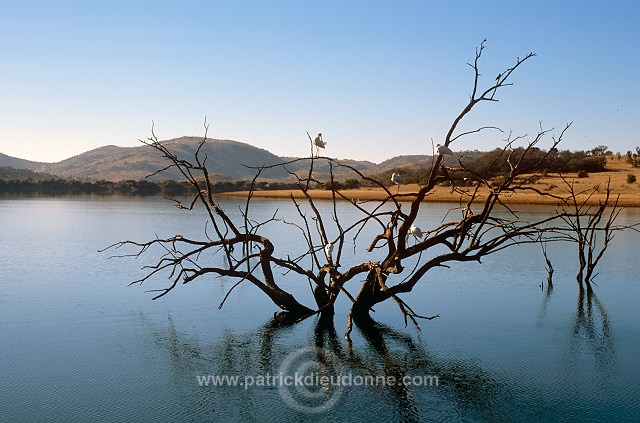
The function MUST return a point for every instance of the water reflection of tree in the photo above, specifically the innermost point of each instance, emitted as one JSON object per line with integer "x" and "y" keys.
{"x": 594, "y": 325}
{"x": 465, "y": 390}
{"x": 590, "y": 324}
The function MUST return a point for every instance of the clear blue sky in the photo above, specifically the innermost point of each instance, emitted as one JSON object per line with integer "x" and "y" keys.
{"x": 378, "y": 78}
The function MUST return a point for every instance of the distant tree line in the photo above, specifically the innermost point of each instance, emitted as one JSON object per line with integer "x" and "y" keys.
{"x": 128, "y": 187}
{"x": 557, "y": 161}
{"x": 633, "y": 158}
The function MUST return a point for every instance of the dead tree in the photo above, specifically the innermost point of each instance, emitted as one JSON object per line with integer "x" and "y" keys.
{"x": 396, "y": 259}
{"x": 548, "y": 265}
{"x": 590, "y": 228}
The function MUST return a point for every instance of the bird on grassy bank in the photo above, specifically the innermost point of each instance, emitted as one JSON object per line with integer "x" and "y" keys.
{"x": 397, "y": 179}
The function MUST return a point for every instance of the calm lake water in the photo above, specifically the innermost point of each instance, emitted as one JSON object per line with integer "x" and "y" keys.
{"x": 78, "y": 344}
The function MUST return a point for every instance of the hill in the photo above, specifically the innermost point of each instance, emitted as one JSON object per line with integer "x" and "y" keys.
{"x": 8, "y": 172}
{"x": 226, "y": 159}
{"x": 14, "y": 162}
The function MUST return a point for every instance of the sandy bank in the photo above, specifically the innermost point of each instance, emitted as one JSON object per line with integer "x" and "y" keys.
{"x": 552, "y": 184}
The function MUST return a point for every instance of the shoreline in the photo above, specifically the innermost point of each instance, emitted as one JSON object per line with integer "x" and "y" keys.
{"x": 439, "y": 195}
{"x": 616, "y": 177}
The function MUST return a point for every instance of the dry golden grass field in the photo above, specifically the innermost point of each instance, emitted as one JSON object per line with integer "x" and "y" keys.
{"x": 617, "y": 171}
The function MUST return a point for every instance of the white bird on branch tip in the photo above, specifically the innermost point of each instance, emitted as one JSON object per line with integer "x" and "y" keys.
{"x": 443, "y": 149}
{"x": 318, "y": 142}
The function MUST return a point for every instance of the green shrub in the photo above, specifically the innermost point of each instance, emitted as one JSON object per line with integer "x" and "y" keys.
{"x": 352, "y": 184}
{"x": 583, "y": 174}
{"x": 631, "y": 178}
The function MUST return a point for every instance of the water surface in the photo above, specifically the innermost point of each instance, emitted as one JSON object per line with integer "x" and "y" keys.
{"x": 78, "y": 344}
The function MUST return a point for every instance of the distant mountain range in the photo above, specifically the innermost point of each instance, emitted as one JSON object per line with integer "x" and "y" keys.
{"x": 226, "y": 159}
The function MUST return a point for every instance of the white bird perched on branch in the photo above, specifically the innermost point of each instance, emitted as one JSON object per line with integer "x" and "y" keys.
{"x": 328, "y": 249}
{"x": 415, "y": 231}
{"x": 318, "y": 142}
{"x": 443, "y": 149}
